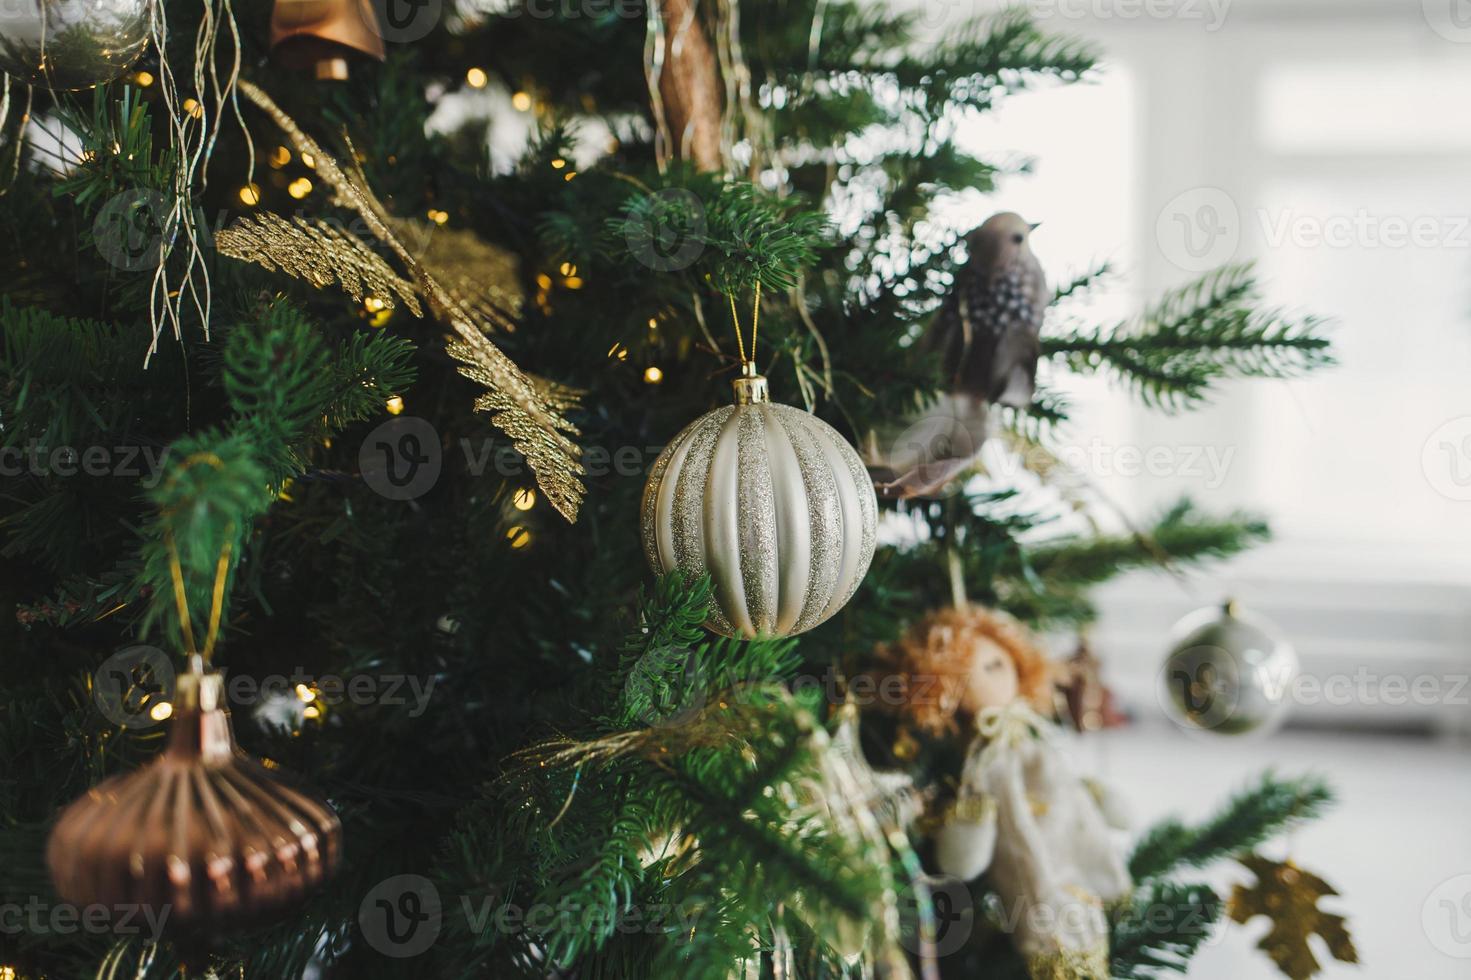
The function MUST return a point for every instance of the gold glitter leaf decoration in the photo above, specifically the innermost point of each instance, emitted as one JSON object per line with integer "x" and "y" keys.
{"x": 319, "y": 253}
{"x": 483, "y": 279}
{"x": 527, "y": 410}
{"x": 1288, "y": 896}
{"x": 543, "y": 448}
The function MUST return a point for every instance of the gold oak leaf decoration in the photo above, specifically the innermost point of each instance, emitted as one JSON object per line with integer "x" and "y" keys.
{"x": 320, "y": 254}
{"x": 527, "y": 409}
{"x": 1288, "y": 896}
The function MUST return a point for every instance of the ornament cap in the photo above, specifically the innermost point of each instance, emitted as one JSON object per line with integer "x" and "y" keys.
{"x": 751, "y": 390}
{"x": 201, "y": 724}
{"x": 332, "y": 70}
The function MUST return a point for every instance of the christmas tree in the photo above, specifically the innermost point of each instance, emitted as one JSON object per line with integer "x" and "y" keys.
{"x": 301, "y": 371}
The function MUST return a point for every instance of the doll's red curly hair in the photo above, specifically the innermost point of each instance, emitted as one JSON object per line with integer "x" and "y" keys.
{"x": 929, "y": 667}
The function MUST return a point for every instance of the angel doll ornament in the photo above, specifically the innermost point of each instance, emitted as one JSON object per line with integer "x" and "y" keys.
{"x": 1020, "y": 813}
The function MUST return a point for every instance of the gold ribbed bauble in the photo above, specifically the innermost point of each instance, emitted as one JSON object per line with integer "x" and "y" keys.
{"x": 773, "y": 504}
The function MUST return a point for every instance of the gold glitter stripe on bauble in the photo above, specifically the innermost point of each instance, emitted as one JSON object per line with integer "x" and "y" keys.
{"x": 824, "y": 518}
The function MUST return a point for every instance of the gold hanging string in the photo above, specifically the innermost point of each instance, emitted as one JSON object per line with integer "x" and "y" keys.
{"x": 217, "y": 602}
{"x": 755, "y": 319}
{"x": 735, "y": 319}
{"x": 12, "y": 155}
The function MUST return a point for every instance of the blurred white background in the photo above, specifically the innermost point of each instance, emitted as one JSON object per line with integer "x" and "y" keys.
{"x": 1329, "y": 142}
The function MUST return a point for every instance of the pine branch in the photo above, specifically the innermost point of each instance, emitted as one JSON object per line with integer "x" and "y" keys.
{"x": 1249, "y": 818}
{"x": 116, "y": 154}
{"x": 365, "y": 372}
{"x": 606, "y": 881}
{"x": 1196, "y": 337}
{"x": 1182, "y": 536}
{"x": 213, "y": 490}
{"x": 1160, "y": 928}
{"x": 1005, "y": 53}
{"x": 65, "y": 382}
{"x": 287, "y": 392}
{"x": 669, "y": 665}
{"x": 1082, "y": 283}
{"x": 972, "y": 67}
{"x": 729, "y": 233}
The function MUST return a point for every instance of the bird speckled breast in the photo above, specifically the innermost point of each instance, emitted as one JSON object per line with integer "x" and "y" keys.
{"x": 774, "y": 505}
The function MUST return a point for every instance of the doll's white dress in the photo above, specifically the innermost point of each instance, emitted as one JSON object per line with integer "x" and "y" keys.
{"x": 1025, "y": 815}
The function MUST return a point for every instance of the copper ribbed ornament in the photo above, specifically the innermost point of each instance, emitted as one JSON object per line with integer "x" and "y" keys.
{"x": 325, "y": 35}
{"x": 203, "y": 831}
{"x": 773, "y": 504}
{"x": 69, "y": 45}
